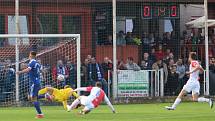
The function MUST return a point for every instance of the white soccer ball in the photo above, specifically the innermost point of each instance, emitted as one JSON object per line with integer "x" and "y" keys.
{"x": 60, "y": 77}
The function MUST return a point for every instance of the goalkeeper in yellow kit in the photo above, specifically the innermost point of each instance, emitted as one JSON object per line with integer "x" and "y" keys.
{"x": 59, "y": 95}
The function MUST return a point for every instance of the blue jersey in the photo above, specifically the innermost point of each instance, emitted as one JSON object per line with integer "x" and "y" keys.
{"x": 34, "y": 73}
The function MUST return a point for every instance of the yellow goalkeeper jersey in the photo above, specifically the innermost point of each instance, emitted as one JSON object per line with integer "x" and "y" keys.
{"x": 63, "y": 94}
{"x": 60, "y": 95}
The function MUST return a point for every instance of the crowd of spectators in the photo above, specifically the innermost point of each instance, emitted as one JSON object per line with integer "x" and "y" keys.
{"x": 155, "y": 55}
{"x": 93, "y": 71}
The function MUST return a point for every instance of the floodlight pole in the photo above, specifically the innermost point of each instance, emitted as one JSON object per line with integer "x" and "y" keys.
{"x": 206, "y": 46}
{"x": 17, "y": 48}
{"x": 114, "y": 50}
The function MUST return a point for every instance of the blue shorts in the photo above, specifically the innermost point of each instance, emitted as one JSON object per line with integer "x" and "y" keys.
{"x": 34, "y": 90}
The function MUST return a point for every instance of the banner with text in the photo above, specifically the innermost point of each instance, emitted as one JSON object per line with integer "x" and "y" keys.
{"x": 133, "y": 83}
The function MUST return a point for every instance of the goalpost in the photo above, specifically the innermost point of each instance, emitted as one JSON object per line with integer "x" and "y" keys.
{"x": 50, "y": 48}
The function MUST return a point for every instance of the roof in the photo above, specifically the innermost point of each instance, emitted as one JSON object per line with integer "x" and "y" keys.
{"x": 200, "y": 23}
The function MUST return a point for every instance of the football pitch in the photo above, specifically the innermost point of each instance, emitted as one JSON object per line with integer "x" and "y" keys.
{"x": 130, "y": 112}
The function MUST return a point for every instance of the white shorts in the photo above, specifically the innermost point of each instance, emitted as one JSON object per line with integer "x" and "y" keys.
{"x": 193, "y": 86}
{"x": 88, "y": 105}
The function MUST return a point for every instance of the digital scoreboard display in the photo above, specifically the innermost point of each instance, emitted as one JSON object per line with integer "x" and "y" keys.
{"x": 160, "y": 11}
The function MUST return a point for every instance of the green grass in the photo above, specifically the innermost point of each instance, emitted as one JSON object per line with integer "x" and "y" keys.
{"x": 138, "y": 112}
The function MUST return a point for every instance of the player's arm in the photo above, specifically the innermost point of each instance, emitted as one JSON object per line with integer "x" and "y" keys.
{"x": 199, "y": 67}
{"x": 87, "y": 89}
{"x": 64, "y": 104}
{"x": 46, "y": 90}
{"x": 109, "y": 104}
{"x": 30, "y": 66}
{"x": 24, "y": 71}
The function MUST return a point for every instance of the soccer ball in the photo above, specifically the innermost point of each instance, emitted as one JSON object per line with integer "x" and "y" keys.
{"x": 60, "y": 77}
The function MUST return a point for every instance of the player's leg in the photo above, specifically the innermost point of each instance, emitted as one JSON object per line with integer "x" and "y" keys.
{"x": 196, "y": 98}
{"x": 84, "y": 111}
{"x": 76, "y": 103}
{"x": 33, "y": 98}
{"x": 187, "y": 88}
{"x": 177, "y": 100}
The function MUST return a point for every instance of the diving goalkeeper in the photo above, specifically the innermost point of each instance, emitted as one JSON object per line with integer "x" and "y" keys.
{"x": 59, "y": 95}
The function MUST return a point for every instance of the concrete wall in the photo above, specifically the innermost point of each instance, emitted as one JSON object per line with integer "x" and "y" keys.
{"x": 187, "y": 12}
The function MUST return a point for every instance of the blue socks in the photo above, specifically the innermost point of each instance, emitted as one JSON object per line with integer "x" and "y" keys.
{"x": 37, "y": 107}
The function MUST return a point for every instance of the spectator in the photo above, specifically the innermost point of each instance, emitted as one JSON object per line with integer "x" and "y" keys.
{"x": 212, "y": 64}
{"x": 194, "y": 38}
{"x": 3, "y": 42}
{"x": 145, "y": 43}
{"x": 84, "y": 73}
{"x": 129, "y": 38}
{"x": 210, "y": 35}
{"x": 159, "y": 54}
{"x": 146, "y": 63}
{"x": 212, "y": 75}
{"x": 71, "y": 80}
{"x": 172, "y": 82}
{"x": 130, "y": 65}
{"x": 200, "y": 36}
{"x": 165, "y": 39}
{"x": 171, "y": 63}
{"x": 106, "y": 66}
{"x": 213, "y": 44}
{"x": 158, "y": 40}
{"x": 10, "y": 76}
{"x": 143, "y": 65}
{"x": 168, "y": 51}
{"x": 109, "y": 40}
{"x": 182, "y": 38}
{"x": 168, "y": 56}
{"x": 159, "y": 64}
{"x": 151, "y": 40}
{"x": 120, "y": 38}
{"x": 95, "y": 74}
{"x": 152, "y": 55}
{"x": 60, "y": 69}
{"x": 181, "y": 73}
{"x": 121, "y": 65}
{"x": 89, "y": 57}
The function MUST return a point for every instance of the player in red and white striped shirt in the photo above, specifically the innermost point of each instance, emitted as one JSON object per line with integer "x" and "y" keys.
{"x": 97, "y": 95}
{"x": 192, "y": 84}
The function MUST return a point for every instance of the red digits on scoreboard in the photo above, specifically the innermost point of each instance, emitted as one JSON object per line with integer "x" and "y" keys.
{"x": 173, "y": 11}
{"x": 146, "y": 11}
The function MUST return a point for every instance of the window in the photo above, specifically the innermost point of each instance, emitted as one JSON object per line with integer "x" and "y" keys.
{"x": 2, "y": 29}
{"x": 2, "y": 24}
{"x": 71, "y": 24}
{"x": 47, "y": 24}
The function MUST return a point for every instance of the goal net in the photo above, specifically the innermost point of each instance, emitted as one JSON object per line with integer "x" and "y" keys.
{"x": 58, "y": 54}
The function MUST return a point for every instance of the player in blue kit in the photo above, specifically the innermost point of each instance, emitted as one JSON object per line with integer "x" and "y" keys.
{"x": 33, "y": 70}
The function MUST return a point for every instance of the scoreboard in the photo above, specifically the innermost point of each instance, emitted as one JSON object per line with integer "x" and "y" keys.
{"x": 169, "y": 11}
